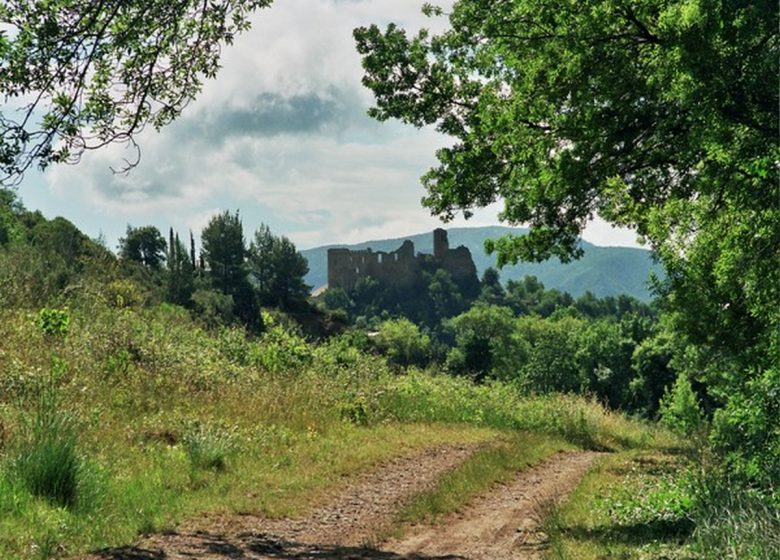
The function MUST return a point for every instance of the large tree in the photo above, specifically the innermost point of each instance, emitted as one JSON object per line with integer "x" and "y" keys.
{"x": 277, "y": 269}
{"x": 144, "y": 245}
{"x": 659, "y": 115}
{"x": 224, "y": 253}
{"x": 76, "y": 75}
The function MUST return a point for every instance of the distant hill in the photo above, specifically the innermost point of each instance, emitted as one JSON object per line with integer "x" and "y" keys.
{"x": 602, "y": 270}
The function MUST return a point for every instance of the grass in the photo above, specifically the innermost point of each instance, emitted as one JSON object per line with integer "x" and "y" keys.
{"x": 47, "y": 461}
{"x": 173, "y": 421}
{"x": 496, "y": 462}
{"x": 631, "y": 505}
{"x": 733, "y": 522}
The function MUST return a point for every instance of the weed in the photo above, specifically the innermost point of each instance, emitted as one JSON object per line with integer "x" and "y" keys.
{"x": 47, "y": 461}
{"x": 206, "y": 446}
{"x": 54, "y": 322}
{"x": 734, "y": 522}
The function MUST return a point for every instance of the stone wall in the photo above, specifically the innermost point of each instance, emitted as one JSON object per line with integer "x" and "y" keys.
{"x": 400, "y": 268}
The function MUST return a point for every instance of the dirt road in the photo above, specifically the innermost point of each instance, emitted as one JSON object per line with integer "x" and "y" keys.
{"x": 505, "y": 523}
{"x": 502, "y": 525}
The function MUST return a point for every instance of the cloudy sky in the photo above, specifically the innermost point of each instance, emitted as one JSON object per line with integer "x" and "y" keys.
{"x": 281, "y": 134}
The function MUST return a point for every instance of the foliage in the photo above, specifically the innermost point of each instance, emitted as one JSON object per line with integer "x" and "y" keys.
{"x": 403, "y": 343}
{"x": 54, "y": 321}
{"x": 604, "y": 357}
{"x": 643, "y": 114}
{"x": 84, "y": 75}
{"x": 122, "y": 293}
{"x": 224, "y": 253}
{"x": 486, "y": 344}
{"x": 180, "y": 281}
{"x": 651, "y": 362}
{"x": 277, "y": 270}
{"x": 144, "y": 245}
{"x": 680, "y": 409}
{"x": 662, "y": 88}
{"x": 552, "y": 358}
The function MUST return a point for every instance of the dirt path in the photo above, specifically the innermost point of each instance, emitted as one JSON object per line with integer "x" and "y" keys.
{"x": 501, "y": 525}
{"x": 504, "y": 524}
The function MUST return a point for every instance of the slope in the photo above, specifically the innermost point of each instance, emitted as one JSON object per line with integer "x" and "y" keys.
{"x": 604, "y": 271}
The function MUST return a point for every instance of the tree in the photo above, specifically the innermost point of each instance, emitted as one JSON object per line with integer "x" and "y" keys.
{"x": 224, "y": 254}
{"x": 403, "y": 343}
{"x": 446, "y": 299}
{"x": 180, "y": 281}
{"x": 492, "y": 292}
{"x": 552, "y": 363}
{"x": 277, "y": 269}
{"x": 563, "y": 111}
{"x": 661, "y": 116}
{"x": 144, "y": 245}
{"x": 486, "y": 343}
{"x": 87, "y": 73}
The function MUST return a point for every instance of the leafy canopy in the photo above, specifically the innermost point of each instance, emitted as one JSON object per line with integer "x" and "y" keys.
{"x": 567, "y": 109}
{"x": 659, "y": 115}
{"x": 76, "y": 75}
{"x": 144, "y": 245}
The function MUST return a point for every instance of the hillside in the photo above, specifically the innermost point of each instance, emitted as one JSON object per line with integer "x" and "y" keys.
{"x": 604, "y": 271}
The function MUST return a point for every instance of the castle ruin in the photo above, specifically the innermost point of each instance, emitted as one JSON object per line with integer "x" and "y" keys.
{"x": 401, "y": 268}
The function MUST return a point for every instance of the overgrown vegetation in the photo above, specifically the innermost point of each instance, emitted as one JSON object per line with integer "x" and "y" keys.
{"x": 135, "y": 392}
{"x": 173, "y": 419}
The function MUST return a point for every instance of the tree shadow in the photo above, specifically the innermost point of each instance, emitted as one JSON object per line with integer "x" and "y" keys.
{"x": 253, "y": 546}
{"x": 677, "y": 530}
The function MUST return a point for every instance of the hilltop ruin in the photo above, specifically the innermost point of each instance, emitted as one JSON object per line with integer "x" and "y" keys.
{"x": 401, "y": 268}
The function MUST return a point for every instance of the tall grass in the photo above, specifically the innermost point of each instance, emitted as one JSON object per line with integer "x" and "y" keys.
{"x": 422, "y": 397}
{"x": 733, "y": 522}
{"x": 176, "y": 420}
{"x": 206, "y": 446}
{"x": 46, "y": 459}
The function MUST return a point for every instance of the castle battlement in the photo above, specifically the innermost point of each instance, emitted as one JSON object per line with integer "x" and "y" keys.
{"x": 401, "y": 268}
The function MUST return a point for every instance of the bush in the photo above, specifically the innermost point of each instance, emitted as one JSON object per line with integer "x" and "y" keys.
{"x": 403, "y": 343}
{"x": 680, "y": 409}
{"x": 54, "y": 321}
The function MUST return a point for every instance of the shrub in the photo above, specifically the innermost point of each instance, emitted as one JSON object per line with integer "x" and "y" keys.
{"x": 680, "y": 409}
{"x": 54, "y": 321}
{"x": 122, "y": 293}
{"x": 403, "y": 343}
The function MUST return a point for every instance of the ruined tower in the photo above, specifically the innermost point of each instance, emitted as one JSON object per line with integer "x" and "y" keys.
{"x": 440, "y": 243}
{"x": 402, "y": 268}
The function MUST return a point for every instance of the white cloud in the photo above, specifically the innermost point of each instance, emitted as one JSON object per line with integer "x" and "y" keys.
{"x": 281, "y": 134}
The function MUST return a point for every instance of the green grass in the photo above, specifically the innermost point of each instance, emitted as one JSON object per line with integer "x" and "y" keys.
{"x": 172, "y": 421}
{"x": 631, "y": 505}
{"x": 495, "y": 462}
{"x": 733, "y": 522}
{"x": 663, "y": 503}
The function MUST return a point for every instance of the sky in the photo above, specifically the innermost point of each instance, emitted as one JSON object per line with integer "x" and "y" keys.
{"x": 282, "y": 136}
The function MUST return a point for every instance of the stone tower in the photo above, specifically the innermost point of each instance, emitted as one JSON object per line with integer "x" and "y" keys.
{"x": 440, "y": 243}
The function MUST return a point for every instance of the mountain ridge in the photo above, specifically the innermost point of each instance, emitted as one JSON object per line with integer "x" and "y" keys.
{"x": 604, "y": 271}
